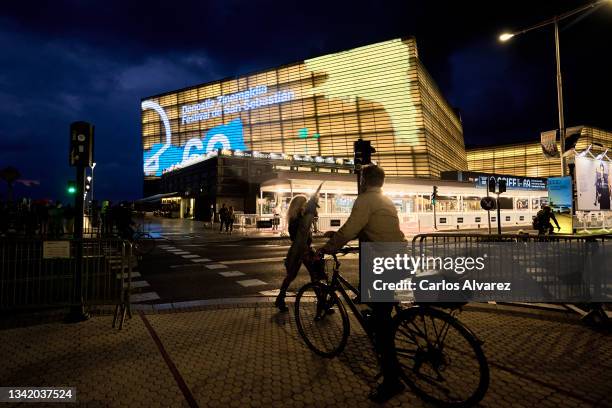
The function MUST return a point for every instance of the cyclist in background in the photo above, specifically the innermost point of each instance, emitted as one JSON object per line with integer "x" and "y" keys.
{"x": 374, "y": 218}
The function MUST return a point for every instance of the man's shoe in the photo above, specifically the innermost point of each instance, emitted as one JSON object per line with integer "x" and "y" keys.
{"x": 280, "y": 304}
{"x": 385, "y": 391}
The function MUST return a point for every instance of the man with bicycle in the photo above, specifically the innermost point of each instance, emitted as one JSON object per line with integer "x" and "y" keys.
{"x": 374, "y": 218}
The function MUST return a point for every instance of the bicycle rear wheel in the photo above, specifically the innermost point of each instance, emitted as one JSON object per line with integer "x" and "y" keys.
{"x": 144, "y": 244}
{"x": 321, "y": 319}
{"x": 440, "y": 358}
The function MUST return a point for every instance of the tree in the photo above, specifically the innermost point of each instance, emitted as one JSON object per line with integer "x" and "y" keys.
{"x": 10, "y": 175}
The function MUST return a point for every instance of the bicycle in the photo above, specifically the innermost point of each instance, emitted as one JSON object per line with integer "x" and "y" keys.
{"x": 434, "y": 349}
{"x": 142, "y": 241}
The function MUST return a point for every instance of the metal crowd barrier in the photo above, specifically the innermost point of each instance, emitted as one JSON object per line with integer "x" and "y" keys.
{"x": 555, "y": 263}
{"x": 38, "y": 274}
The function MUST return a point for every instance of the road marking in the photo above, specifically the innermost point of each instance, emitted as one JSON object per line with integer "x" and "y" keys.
{"x": 274, "y": 292}
{"x": 248, "y": 261}
{"x": 201, "y": 260}
{"x": 229, "y": 245}
{"x": 231, "y": 274}
{"x": 181, "y": 253}
{"x": 143, "y": 297}
{"x": 190, "y": 256}
{"x": 187, "y": 265}
{"x": 137, "y": 284}
{"x": 125, "y": 275}
{"x": 270, "y": 260}
{"x": 215, "y": 266}
{"x": 251, "y": 282}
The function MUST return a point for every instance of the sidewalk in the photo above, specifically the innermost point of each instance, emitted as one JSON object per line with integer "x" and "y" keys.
{"x": 250, "y": 355}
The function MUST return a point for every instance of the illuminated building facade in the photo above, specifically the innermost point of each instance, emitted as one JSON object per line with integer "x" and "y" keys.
{"x": 257, "y": 140}
{"x": 317, "y": 108}
{"x": 526, "y": 159}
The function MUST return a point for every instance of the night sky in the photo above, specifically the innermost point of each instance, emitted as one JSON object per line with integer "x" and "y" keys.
{"x": 63, "y": 61}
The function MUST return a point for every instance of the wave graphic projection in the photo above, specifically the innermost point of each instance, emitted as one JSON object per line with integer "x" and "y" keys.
{"x": 228, "y": 136}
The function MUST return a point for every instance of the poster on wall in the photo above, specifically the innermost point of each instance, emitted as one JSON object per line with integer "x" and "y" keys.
{"x": 560, "y": 201}
{"x": 593, "y": 184}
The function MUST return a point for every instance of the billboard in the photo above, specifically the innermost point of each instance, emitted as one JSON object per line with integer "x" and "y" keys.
{"x": 316, "y": 107}
{"x": 560, "y": 201}
{"x": 593, "y": 184}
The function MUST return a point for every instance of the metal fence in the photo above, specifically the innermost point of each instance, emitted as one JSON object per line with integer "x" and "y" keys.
{"x": 559, "y": 268}
{"x": 35, "y": 273}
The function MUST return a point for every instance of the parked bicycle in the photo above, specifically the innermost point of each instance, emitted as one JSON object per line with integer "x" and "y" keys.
{"x": 441, "y": 359}
{"x": 142, "y": 241}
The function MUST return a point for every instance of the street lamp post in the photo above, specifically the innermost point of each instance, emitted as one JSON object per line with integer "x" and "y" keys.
{"x": 93, "y": 166}
{"x": 555, "y": 21}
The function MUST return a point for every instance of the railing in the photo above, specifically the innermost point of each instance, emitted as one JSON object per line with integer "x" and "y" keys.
{"x": 244, "y": 221}
{"x": 38, "y": 274}
{"x": 559, "y": 268}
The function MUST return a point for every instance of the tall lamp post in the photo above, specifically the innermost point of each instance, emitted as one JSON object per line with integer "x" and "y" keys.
{"x": 93, "y": 166}
{"x": 555, "y": 21}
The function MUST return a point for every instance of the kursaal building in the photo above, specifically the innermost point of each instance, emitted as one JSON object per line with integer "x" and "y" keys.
{"x": 257, "y": 140}
{"x": 316, "y": 107}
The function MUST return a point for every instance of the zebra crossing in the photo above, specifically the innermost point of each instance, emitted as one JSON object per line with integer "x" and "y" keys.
{"x": 196, "y": 261}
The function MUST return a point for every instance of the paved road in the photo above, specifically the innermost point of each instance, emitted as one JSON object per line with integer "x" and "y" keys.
{"x": 191, "y": 267}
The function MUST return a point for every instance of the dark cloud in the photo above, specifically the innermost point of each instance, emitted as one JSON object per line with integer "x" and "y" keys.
{"x": 69, "y": 60}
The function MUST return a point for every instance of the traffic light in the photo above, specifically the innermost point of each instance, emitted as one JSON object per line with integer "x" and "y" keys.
{"x": 434, "y": 195}
{"x": 71, "y": 187}
{"x": 81, "y": 144}
{"x": 502, "y": 186}
{"x": 87, "y": 184}
{"x": 491, "y": 185}
{"x": 363, "y": 152}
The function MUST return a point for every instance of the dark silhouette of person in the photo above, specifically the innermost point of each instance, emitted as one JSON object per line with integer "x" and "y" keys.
{"x": 544, "y": 216}
{"x": 222, "y": 216}
{"x": 374, "y": 218}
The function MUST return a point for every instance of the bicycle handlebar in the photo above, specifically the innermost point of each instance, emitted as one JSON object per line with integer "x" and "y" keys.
{"x": 345, "y": 250}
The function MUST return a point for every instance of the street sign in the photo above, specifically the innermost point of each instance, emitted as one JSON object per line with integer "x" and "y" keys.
{"x": 56, "y": 249}
{"x": 487, "y": 203}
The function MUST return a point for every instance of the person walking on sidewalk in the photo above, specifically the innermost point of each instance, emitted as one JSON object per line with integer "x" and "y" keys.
{"x": 222, "y": 216}
{"x": 374, "y": 218}
{"x": 300, "y": 233}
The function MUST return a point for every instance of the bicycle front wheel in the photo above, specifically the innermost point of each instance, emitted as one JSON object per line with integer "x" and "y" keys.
{"x": 321, "y": 319}
{"x": 440, "y": 358}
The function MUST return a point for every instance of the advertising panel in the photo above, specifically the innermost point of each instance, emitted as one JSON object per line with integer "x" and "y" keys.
{"x": 593, "y": 184}
{"x": 316, "y": 107}
{"x": 512, "y": 183}
{"x": 560, "y": 201}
